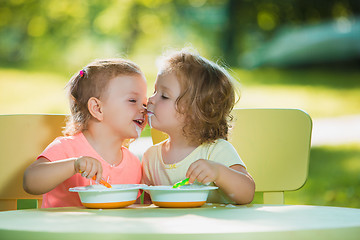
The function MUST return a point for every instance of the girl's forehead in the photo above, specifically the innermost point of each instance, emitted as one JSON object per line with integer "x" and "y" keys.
{"x": 168, "y": 83}
{"x": 128, "y": 85}
{"x": 129, "y": 80}
{"x": 167, "y": 79}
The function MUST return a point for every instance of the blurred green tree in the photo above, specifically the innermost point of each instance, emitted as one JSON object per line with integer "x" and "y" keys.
{"x": 69, "y": 33}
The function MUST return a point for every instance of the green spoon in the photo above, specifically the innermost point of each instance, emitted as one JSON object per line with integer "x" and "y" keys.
{"x": 181, "y": 183}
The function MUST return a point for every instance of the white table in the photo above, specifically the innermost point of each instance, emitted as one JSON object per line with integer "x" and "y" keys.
{"x": 209, "y": 222}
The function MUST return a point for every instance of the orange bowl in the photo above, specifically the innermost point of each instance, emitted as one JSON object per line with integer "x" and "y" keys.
{"x": 98, "y": 196}
{"x": 182, "y": 197}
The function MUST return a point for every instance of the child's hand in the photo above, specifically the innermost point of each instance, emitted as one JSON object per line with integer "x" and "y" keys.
{"x": 204, "y": 171}
{"x": 88, "y": 167}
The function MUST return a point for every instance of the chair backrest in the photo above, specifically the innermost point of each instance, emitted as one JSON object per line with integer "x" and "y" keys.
{"x": 23, "y": 137}
{"x": 275, "y": 146}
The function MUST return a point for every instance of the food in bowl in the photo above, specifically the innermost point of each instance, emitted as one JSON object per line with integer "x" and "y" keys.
{"x": 99, "y": 196}
{"x": 185, "y": 196}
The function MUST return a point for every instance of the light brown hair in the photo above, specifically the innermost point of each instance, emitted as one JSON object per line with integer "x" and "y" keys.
{"x": 92, "y": 81}
{"x": 207, "y": 95}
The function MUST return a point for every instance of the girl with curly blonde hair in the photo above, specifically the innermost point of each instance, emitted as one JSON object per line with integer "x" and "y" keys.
{"x": 192, "y": 103}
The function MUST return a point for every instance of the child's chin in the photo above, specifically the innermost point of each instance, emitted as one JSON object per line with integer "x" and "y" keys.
{"x": 134, "y": 136}
{"x": 153, "y": 125}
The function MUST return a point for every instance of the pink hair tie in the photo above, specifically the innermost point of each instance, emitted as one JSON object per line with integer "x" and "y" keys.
{"x": 81, "y": 73}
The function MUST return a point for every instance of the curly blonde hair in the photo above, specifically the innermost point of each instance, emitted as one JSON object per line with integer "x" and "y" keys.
{"x": 207, "y": 95}
{"x": 92, "y": 81}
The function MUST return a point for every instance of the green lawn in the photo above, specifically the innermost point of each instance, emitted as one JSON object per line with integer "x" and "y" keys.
{"x": 32, "y": 92}
{"x": 334, "y": 178}
{"x": 320, "y": 93}
{"x": 334, "y": 175}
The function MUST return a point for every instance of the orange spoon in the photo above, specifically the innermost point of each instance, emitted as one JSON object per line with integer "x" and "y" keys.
{"x": 102, "y": 181}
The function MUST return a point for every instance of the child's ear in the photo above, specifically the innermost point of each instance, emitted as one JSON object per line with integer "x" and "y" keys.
{"x": 94, "y": 107}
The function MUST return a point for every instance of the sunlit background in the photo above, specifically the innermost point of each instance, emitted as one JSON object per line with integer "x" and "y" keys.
{"x": 289, "y": 54}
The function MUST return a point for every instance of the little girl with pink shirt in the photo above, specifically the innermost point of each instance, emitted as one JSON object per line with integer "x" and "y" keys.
{"x": 107, "y": 102}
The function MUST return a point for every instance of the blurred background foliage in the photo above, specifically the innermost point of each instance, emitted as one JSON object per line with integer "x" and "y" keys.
{"x": 67, "y": 34}
{"x": 295, "y": 53}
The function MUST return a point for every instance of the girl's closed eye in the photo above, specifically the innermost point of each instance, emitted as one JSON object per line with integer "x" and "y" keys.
{"x": 132, "y": 100}
{"x": 164, "y": 96}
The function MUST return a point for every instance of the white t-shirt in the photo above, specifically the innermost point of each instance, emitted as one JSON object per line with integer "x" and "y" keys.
{"x": 156, "y": 172}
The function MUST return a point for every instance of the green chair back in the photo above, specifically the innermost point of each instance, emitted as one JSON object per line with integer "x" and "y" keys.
{"x": 275, "y": 146}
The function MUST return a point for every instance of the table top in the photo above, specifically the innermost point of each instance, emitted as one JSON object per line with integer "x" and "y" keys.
{"x": 212, "y": 221}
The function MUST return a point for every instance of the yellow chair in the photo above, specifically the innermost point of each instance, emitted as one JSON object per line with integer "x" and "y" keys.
{"x": 23, "y": 137}
{"x": 275, "y": 146}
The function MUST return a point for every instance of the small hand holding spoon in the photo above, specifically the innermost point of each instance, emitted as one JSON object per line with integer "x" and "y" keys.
{"x": 102, "y": 181}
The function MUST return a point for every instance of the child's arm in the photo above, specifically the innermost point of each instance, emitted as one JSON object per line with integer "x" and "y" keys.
{"x": 235, "y": 181}
{"x": 42, "y": 175}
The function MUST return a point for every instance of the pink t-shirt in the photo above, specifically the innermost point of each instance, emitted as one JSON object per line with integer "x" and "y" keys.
{"x": 127, "y": 172}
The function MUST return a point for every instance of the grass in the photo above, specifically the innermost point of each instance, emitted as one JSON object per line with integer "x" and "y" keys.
{"x": 32, "y": 92}
{"x": 334, "y": 178}
{"x": 320, "y": 93}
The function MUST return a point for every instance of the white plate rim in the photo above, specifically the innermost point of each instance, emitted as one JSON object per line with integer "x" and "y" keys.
{"x": 200, "y": 188}
{"x": 113, "y": 189}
